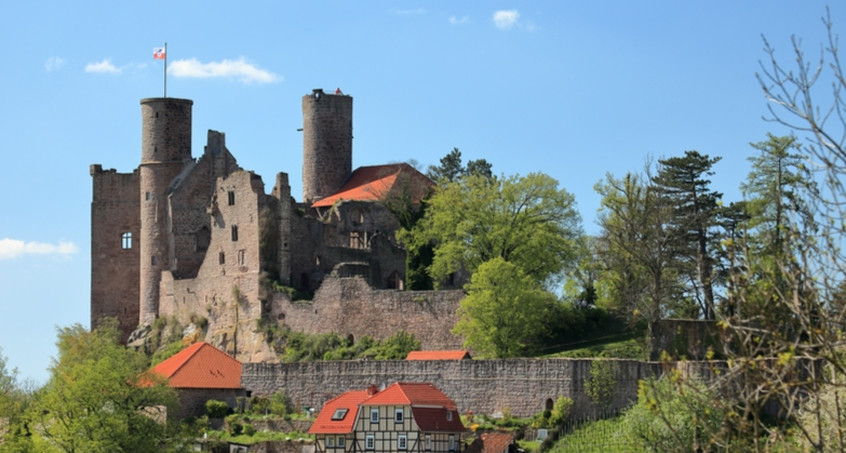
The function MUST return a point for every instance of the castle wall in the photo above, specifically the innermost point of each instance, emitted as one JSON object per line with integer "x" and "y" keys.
{"x": 349, "y": 306}
{"x": 523, "y": 386}
{"x": 115, "y": 262}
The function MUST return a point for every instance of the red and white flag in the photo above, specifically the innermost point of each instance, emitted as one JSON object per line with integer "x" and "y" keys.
{"x": 158, "y": 53}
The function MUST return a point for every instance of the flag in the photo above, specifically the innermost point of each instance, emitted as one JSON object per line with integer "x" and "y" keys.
{"x": 158, "y": 53}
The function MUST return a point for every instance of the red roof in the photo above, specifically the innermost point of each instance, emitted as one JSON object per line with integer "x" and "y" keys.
{"x": 377, "y": 182}
{"x": 431, "y": 419}
{"x": 201, "y": 365}
{"x": 414, "y": 394}
{"x": 496, "y": 442}
{"x": 343, "y": 421}
{"x": 438, "y": 355}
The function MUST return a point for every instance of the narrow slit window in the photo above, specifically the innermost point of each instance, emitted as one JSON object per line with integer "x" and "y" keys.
{"x": 231, "y": 198}
{"x": 221, "y": 258}
{"x": 234, "y": 233}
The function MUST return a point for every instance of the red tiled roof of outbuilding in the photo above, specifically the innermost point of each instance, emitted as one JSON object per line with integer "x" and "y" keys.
{"x": 376, "y": 182}
{"x": 436, "y": 419}
{"x": 438, "y": 355}
{"x": 496, "y": 442}
{"x": 201, "y": 365}
{"x": 323, "y": 423}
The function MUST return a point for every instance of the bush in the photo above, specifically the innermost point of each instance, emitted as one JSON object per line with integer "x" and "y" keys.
{"x": 601, "y": 385}
{"x": 216, "y": 409}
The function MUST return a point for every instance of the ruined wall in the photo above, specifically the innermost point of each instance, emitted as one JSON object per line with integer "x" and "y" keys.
{"x": 524, "y": 386}
{"x": 115, "y": 258}
{"x": 349, "y": 306}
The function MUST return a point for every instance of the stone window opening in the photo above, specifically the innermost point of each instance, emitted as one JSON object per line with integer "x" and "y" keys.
{"x": 549, "y": 404}
{"x": 202, "y": 239}
{"x": 153, "y": 260}
{"x": 231, "y": 198}
{"x": 234, "y": 233}
{"x": 221, "y": 257}
{"x": 126, "y": 240}
{"x": 147, "y": 196}
{"x": 241, "y": 254}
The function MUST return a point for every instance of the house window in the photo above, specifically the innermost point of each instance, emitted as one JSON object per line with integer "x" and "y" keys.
{"x": 451, "y": 442}
{"x": 402, "y": 442}
{"x": 241, "y": 254}
{"x": 330, "y": 441}
{"x": 449, "y": 416}
{"x": 126, "y": 241}
{"x": 340, "y": 414}
{"x": 398, "y": 416}
{"x": 374, "y": 415}
{"x": 231, "y": 198}
{"x": 234, "y": 233}
{"x": 428, "y": 442}
{"x": 221, "y": 257}
{"x": 369, "y": 442}
{"x": 341, "y": 442}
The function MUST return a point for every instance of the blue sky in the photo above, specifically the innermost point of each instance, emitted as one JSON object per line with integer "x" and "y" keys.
{"x": 572, "y": 89}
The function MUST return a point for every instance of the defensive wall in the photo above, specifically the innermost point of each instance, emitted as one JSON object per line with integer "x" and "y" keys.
{"x": 523, "y": 386}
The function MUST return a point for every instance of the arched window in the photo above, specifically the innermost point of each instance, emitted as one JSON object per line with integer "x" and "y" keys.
{"x": 126, "y": 240}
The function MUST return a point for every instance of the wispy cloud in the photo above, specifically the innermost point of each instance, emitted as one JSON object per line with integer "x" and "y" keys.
{"x": 239, "y": 70}
{"x": 505, "y": 19}
{"x": 54, "y": 63}
{"x": 457, "y": 21}
{"x": 104, "y": 66}
{"x": 13, "y": 248}
{"x": 409, "y": 12}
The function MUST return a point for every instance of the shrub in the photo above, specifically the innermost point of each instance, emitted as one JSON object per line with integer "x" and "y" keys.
{"x": 216, "y": 409}
{"x": 601, "y": 386}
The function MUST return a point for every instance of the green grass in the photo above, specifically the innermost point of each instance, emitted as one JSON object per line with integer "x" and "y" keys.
{"x": 625, "y": 346}
{"x": 605, "y": 435}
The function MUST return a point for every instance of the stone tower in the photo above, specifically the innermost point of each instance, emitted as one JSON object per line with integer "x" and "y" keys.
{"x": 165, "y": 151}
{"x": 327, "y": 143}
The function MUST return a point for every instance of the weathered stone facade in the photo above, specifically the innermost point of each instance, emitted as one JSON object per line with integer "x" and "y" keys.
{"x": 192, "y": 239}
{"x": 524, "y": 386}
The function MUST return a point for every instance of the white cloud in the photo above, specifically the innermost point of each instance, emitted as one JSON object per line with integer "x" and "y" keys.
{"x": 505, "y": 19}
{"x": 456, "y": 21}
{"x": 232, "y": 69}
{"x": 104, "y": 66}
{"x": 54, "y": 63}
{"x": 13, "y": 248}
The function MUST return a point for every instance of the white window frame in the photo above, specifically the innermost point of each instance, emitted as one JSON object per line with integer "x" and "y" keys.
{"x": 402, "y": 442}
{"x": 341, "y": 442}
{"x": 369, "y": 442}
{"x": 374, "y": 415}
{"x": 449, "y": 416}
{"x": 399, "y": 415}
{"x": 330, "y": 441}
{"x": 126, "y": 240}
{"x": 452, "y": 442}
{"x": 428, "y": 442}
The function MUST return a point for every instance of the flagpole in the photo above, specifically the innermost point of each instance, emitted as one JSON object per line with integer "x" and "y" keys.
{"x": 165, "y": 70}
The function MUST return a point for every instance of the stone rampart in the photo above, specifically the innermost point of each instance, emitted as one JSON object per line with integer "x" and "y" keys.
{"x": 523, "y": 386}
{"x": 350, "y": 307}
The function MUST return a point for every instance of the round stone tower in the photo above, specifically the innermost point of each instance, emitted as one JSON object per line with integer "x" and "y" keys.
{"x": 327, "y": 143}
{"x": 165, "y": 150}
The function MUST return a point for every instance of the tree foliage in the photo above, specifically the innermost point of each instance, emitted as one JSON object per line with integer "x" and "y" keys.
{"x": 504, "y": 312}
{"x": 101, "y": 397}
{"x": 527, "y": 221}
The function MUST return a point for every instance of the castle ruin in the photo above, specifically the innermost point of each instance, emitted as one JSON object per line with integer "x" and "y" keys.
{"x": 187, "y": 237}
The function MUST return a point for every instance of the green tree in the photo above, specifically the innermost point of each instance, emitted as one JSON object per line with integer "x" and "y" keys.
{"x": 451, "y": 168}
{"x": 15, "y": 429}
{"x": 527, "y": 221}
{"x": 101, "y": 397}
{"x": 505, "y": 311}
{"x": 695, "y": 221}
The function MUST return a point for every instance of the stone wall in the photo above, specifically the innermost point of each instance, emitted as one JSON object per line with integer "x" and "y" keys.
{"x": 350, "y": 307}
{"x": 523, "y": 386}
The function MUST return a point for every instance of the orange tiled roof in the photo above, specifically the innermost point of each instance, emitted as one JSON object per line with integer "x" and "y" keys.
{"x": 201, "y": 365}
{"x": 376, "y": 183}
{"x": 324, "y": 423}
{"x": 496, "y": 442}
{"x": 406, "y": 393}
{"x": 438, "y": 355}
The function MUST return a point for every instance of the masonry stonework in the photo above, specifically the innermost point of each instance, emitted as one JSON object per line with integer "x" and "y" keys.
{"x": 522, "y": 386}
